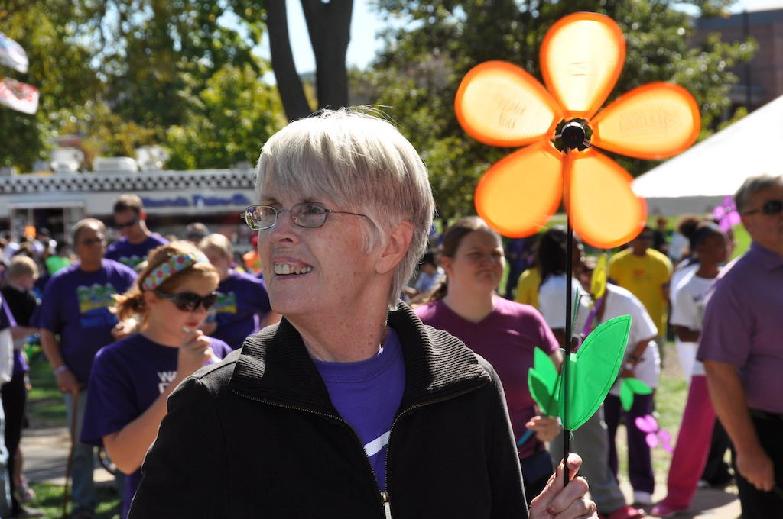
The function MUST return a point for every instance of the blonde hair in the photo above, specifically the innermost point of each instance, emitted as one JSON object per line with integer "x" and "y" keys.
{"x": 131, "y": 303}
{"x": 361, "y": 163}
{"x": 218, "y": 242}
{"x": 22, "y": 265}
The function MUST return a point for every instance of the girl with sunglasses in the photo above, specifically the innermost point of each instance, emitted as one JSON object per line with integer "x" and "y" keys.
{"x": 132, "y": 378}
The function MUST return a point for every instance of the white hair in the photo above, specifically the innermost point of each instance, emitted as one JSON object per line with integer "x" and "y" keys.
{"x": 753, "y": 185}
{"x": 363, "y": 164}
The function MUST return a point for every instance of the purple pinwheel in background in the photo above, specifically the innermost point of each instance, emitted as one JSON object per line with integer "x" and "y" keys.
{"x": 726, "y": 214}
{"x": 655, "y": 436}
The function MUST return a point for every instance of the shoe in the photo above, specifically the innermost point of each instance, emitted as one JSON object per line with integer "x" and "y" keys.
{"x": 642, "y": 498}
{"x": 626, "y": 512}
{"x": 664, "y": 509}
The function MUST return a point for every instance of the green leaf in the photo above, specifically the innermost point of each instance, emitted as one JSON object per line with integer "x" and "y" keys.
{"x": 637, "y": 386}
{"x": 626, "y": 395}
{"x": 542, "y": 395}
{"x": 543, "y": 383}
{"x": 595, "y": 369}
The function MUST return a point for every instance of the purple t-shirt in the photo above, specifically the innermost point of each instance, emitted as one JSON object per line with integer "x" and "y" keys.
{"x": 743, "y": 326}
{"x": 127, "y": 377}
{"x": 131, "y": 254}
{"x": 242, "y": 302}
{"x": 367, "y": 394}
{"x": 505, "y": 338}
{"x": 76, "y": 305}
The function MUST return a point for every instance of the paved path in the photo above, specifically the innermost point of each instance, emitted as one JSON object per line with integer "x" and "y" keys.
{"x": 45, "y": 455}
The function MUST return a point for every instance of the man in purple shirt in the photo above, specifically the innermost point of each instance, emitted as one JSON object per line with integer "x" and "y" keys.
{"x": 742, "y": 350}
{"x": 75, "y": 323}
{"x": 137, "y": 240}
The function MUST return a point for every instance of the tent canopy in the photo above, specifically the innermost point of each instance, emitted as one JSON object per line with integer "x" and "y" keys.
{"x": 698, "y": 179}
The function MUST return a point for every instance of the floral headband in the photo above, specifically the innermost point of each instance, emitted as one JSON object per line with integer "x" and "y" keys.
{"x": 174, "y": 264}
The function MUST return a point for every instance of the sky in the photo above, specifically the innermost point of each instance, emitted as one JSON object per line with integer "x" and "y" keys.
{"x": 366, "y": 23}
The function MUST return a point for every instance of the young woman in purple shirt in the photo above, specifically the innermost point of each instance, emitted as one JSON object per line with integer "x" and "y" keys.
{"x": 503, "y": 332}
{"x": 132, "y": 378}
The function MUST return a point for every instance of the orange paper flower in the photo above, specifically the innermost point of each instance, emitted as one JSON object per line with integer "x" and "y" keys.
{"x": 500, "y": 104}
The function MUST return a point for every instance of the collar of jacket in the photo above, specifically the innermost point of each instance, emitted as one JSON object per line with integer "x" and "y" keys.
{"x": 275, "y": 367}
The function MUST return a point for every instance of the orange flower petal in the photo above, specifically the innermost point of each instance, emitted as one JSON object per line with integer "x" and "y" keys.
{"x": 604, "y": 211}
{"x": 581, "y": 58}
{"x": 500, "y": 104}
{"x": 519, "y": 193}
{"x": 653, "y": 121}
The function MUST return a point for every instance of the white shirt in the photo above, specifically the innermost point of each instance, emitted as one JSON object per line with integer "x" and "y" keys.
{"x": 681, "y": 272}
{"x": 552, "y": 303}
{"x": 620, "y": 301}
{"x": 688, "y": 311}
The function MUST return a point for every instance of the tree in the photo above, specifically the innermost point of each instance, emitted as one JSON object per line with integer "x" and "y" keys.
{"x": 59, "y": 68}
{"x": 328, "y": 25}
{"x": 237, "y": 113}
{"x": 419, "y": 71}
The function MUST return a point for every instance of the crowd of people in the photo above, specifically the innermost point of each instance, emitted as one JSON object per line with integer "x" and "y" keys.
{"x": 345, "y": 404}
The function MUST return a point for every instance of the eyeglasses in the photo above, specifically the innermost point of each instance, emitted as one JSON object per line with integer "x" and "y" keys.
{"x": 189, "y": 301}
{"x": 88, "y": 242}
{"x": 309, "y": 215}
{"x": 770, "y": 207}
{"x": 129, "y": 223}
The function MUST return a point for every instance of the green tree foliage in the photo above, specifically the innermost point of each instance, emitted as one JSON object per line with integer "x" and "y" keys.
{"x": 236, "y": 114}
{"x": 126, "y": 73}
{"x": 431, "y": 45}
{"x": 59, "y": 69}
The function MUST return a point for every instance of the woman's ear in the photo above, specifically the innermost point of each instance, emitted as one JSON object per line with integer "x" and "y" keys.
{"x": 149, "y": 298}
{"x": 446, "y": 262}
{"x": 396, "y": 247}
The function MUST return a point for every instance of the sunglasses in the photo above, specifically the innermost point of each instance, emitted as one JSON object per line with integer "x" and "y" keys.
{"x": 129, "y": 223}
{"x": 88, "y": 242}
{"x": 770, "y": 207}
{"x": 189, "y": 301}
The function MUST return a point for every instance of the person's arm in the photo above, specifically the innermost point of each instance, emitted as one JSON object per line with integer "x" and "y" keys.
{"x": 20, "y": 332}
{"x": 66, "y": 380}
{"x": 728, "y": 398}
{"x": 128, "y": 446}
{"x": 686, "y": 334}
{"x": 187, "y": 458}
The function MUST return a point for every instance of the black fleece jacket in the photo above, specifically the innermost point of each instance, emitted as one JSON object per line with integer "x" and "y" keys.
{"x": 256, "y": 436}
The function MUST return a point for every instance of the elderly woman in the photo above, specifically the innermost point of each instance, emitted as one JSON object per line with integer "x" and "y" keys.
{"x": 350, "y": 407}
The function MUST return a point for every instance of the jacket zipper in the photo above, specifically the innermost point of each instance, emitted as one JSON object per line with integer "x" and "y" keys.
{"x": 384, "y": 496}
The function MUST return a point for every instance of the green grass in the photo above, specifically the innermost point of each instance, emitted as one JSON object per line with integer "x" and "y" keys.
{"x": 49, "y": 499}
{"x": 46, "y": 408}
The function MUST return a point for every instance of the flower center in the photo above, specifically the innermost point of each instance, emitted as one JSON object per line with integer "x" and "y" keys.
{"x": 573, "y": 134}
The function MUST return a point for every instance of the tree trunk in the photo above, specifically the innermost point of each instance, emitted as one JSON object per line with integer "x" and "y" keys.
{"x": 288, "y": 83}
{"x": 329, "y": 23}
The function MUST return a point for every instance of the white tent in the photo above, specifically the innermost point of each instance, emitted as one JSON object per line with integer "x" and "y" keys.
{"x": 698, "y": 179}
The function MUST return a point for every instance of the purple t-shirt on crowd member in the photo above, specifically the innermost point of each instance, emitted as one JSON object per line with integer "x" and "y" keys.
{"x": 505, "y": 338}
{"x": 367, "y": 394}
{"x": 127, "y": 377}
{"x": 743, "y": 326}
{"x": 242, "y": 303}
{"x": 22, "y": 306}
{"x": 76, "y": 305}
{"x": 131, "y": 254}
